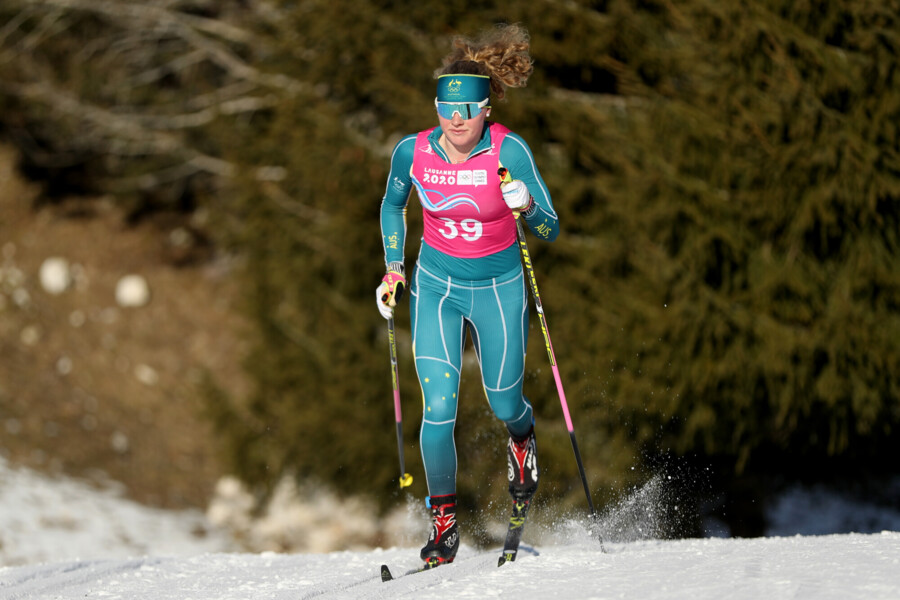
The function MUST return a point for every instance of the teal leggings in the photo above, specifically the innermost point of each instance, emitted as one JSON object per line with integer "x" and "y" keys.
{"x": 495, "y": 312}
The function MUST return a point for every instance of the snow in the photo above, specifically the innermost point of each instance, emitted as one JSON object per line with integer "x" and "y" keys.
{"x": 836, "y": 566}
{"x": 47, "y": 519}
{"x": 63, "y": 539}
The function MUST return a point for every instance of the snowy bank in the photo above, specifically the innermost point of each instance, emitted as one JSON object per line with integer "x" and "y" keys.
{"x": 44, "y": 519}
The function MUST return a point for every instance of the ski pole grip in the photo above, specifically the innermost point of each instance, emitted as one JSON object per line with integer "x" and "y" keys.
{"x": 506, "y": 177}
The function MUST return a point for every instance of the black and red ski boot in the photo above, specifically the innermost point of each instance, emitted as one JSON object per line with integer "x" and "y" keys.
{"x": 443, "y": 542}
{"x": 521, "y": 456}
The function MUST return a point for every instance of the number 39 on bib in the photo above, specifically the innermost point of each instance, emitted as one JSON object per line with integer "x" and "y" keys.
{"x": 467, "y": 229}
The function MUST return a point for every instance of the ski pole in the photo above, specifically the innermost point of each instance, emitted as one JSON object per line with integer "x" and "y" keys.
{"x": 405, "y": 478}
{"x": 505, "y": 177}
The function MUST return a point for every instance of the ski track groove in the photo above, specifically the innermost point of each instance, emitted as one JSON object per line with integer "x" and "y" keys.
{"x": 414, "y": 583}
{"x": 417, "y": 584}
{"x": 55, "y": 578}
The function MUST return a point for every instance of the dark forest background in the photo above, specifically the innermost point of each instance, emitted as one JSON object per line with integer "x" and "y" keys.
{"x": 724, "y": 296}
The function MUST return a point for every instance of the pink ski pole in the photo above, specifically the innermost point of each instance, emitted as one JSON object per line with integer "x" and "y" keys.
{"x": 529, "y": 272}
{"x": 405, "y": 478}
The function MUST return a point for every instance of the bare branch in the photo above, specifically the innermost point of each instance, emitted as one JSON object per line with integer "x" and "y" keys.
{"x": 190, "y": 28}
{"x": 15, "y": 23}
{"x": 148, "y": 12}
{"x": 129, "y": 134}
{"x": 111, "y": 110}
{"x": 177, "y": 64}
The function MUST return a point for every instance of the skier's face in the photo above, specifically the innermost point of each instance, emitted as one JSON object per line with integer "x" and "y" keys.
{"x": 463, "y": 133}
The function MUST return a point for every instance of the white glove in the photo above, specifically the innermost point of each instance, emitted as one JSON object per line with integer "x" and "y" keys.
{"x": 516, "y": 196}
{"x": 390, "y": 290}
{"x": 386, "y": 311}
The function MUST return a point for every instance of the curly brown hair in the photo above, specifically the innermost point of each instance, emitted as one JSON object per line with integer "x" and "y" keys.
{"x": 500, "y": 53}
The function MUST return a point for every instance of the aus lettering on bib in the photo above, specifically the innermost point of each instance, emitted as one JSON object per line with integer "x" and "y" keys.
{"x": 464, "y": 212}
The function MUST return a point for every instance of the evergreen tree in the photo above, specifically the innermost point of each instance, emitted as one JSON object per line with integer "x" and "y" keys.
{"x": 744, "y": 230}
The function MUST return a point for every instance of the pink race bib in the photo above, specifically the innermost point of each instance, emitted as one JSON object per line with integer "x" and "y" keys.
{"x": 465, "y": 215}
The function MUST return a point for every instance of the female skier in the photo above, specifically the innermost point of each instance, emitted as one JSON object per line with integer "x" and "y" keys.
{"x": 468, "y": 276}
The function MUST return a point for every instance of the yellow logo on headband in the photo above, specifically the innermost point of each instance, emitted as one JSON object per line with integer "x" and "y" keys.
{"x": 453, "y": 85}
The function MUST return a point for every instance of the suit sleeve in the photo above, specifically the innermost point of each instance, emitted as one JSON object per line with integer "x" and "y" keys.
{"x": 516, "y": 156}
{"x": 396, "y": 197}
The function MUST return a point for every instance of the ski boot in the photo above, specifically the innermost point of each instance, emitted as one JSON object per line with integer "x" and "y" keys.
{"x": 521, "y": 456}
{"x": 443, "y": 542}
{"x": 523, "y": 481}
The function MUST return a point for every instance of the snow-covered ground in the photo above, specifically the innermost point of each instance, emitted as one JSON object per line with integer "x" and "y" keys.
{"x": 46, "y": 519}
{"x": 63, "y": 540}
{"x": 837, "y": 566}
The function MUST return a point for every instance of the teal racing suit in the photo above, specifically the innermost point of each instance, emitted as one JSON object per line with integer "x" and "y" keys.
{"x": 468, "y": 277}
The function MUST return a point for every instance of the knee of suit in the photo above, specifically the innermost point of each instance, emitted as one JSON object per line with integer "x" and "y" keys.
{"x": 440, "y": 406}
{"x": 509, "y": 407}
